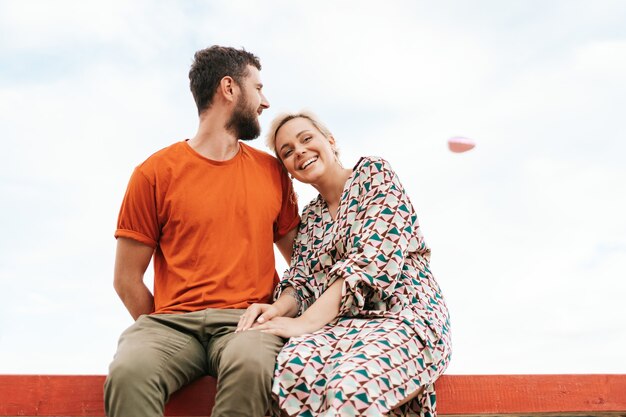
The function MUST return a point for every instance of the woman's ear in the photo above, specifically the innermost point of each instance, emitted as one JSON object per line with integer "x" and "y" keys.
{"x": 333, "y": 147}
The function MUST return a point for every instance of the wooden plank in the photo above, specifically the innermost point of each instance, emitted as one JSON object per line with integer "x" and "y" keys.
{"x": 44, "y": 395}
{"x": 82, "y": 395}
{"x": 195, "y": 400}
{"x": 531, "y": 394}
{"x": 457, "y": 395}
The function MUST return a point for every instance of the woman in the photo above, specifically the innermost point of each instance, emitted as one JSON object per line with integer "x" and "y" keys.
{"x": 371, "y": 330}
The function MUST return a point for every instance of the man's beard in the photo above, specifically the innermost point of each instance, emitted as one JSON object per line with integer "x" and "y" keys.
{"x": 244, "y": 123}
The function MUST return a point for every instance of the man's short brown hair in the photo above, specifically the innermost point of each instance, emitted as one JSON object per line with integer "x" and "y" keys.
{"x": 212, "y": 64}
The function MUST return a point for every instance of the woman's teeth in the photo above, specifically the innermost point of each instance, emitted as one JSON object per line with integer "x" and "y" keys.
{"x": 308, "y": 162}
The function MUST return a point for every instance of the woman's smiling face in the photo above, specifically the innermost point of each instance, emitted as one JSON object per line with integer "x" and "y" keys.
{"x": 306, "y": 153}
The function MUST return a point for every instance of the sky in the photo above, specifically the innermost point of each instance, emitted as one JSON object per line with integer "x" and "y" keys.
{"x": 527, "y": 230}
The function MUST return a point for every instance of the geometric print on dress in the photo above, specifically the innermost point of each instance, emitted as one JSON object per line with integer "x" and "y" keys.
{"x": 356, "y": 367}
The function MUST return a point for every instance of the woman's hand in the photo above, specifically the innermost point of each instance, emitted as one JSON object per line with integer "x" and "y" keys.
{"x": 256, "y": 313}
{"x": 286, "y": 327}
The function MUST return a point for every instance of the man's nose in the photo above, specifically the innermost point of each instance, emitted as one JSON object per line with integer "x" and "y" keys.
{"x": 264, "y": 103}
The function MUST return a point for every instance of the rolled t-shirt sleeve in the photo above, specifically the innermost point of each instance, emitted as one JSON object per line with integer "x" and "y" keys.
{"x": 288, "y": 217}
{"x": 138, "y": 218}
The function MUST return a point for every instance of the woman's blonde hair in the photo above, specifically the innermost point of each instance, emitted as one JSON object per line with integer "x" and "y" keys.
{"x": 281, "y": 119}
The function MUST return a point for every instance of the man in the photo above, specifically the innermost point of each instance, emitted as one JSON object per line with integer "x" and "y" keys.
{"x": 208, "y": 209}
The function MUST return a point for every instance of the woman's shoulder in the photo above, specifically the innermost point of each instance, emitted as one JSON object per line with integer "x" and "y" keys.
{"x": 373, "y": 164}
{"x": 312, "y": 209}
{"x": 372, "y": 171}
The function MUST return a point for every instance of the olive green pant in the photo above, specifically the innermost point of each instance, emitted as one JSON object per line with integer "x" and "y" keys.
{"x": 160, "y": 353}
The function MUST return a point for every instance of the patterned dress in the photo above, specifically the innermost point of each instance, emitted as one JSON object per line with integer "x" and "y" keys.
{"x": 391, "y": 337}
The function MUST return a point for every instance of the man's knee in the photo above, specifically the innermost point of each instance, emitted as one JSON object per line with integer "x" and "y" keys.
{"x": 130, "y": 373}
{"x": 132, "y": 388}
{"x": 251, "y": 354}
{"x": 246, "y": 367}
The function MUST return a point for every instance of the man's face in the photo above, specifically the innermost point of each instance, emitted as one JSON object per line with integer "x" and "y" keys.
{"x": 244, "y": 121}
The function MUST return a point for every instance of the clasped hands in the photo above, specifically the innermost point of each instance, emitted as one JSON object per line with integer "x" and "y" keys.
{"x": 267, "y": 318}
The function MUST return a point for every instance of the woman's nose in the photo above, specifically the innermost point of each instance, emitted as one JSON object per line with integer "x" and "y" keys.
{"x": 299, "y": 149}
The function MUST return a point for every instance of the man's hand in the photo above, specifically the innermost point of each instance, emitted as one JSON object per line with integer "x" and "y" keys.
{"x": 256, "y": 313}
{"x": 286, "y": 327}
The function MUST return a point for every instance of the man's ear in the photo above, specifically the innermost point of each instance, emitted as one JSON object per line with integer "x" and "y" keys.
{"x": 227, "y": 88}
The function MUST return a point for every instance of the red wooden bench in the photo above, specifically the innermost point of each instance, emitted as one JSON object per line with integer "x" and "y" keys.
{"x": 458, "y": 395}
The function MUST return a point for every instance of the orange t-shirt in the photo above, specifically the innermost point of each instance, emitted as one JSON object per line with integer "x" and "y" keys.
{"x": 212, "y": 224}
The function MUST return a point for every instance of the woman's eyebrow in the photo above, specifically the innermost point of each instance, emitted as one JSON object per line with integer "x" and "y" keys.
{"x": 297, "y": 136}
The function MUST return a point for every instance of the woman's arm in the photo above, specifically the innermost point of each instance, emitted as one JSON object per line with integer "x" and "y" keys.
{"x": 324, "y": 310}
{"x": 288, "y": 305}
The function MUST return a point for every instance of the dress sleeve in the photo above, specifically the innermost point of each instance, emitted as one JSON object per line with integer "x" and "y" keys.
{"x": 298, "y": 273}
{"x": 380, "y": 237}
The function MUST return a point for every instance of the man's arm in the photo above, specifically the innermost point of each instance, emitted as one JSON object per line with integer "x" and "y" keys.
{"x": 285, "y": 244}
{"x": 131, "y": 261}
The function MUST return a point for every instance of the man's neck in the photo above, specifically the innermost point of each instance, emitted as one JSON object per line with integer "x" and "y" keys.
{"x": 212, "y": 140}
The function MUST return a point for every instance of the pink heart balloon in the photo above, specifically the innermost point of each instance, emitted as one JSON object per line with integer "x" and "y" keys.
{"x": 460, "y": 144}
